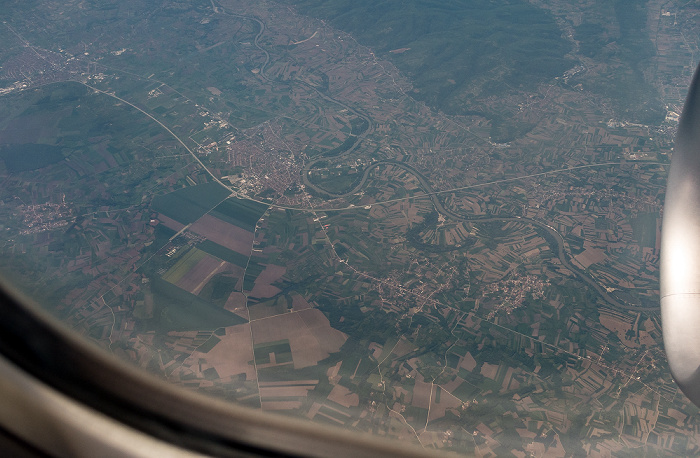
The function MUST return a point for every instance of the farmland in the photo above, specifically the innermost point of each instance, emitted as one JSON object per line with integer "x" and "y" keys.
{"x": 178, "y": 310}
{"x": 242, "y": 213}
{"x": 406, "y": 223}
{"x": 20, "y": 158}
{"x": 188, "y": 204}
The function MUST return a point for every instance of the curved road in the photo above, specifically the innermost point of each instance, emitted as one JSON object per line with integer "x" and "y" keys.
{"x": 555, "y": 236}
{"x": 427, "y": 187}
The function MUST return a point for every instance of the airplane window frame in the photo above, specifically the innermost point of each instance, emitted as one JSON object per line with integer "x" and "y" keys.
{"x": 43, "y": 349}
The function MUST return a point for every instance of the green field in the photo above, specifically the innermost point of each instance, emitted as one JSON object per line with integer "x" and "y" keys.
{"x": 188, "y": 204}
{"x": 223, "y": 253}
{"x": 644, "y": 229}
{"x": 182, "y": 266}
{"x": 242, "y": 213}
{"x": 335, "y": 181}
{"x": 209, "y": 344}
{"x": 251, "y": 274}
{"x": 30, "y": 156}
{"x": 178, "y": 310}
{"x": 343, "y": 147}
{"x": 218, "y": 289}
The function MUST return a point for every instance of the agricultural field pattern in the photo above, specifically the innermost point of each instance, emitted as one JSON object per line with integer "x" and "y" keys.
{"x": 436, "y": 222}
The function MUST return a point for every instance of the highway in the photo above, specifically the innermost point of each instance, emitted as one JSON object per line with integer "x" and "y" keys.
{"x": 555, "y": 238}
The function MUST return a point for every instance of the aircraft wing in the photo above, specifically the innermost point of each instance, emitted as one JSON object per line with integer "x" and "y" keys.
{"x": 680, "y": 251}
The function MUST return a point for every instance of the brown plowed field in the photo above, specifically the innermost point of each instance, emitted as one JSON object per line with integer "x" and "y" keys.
{"x": 223, "y": 233}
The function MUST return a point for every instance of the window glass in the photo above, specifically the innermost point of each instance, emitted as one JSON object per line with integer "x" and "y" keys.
{"x": 436, "y": 222}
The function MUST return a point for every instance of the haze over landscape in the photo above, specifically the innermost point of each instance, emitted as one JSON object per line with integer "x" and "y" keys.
{"x": 433, "y": 221}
